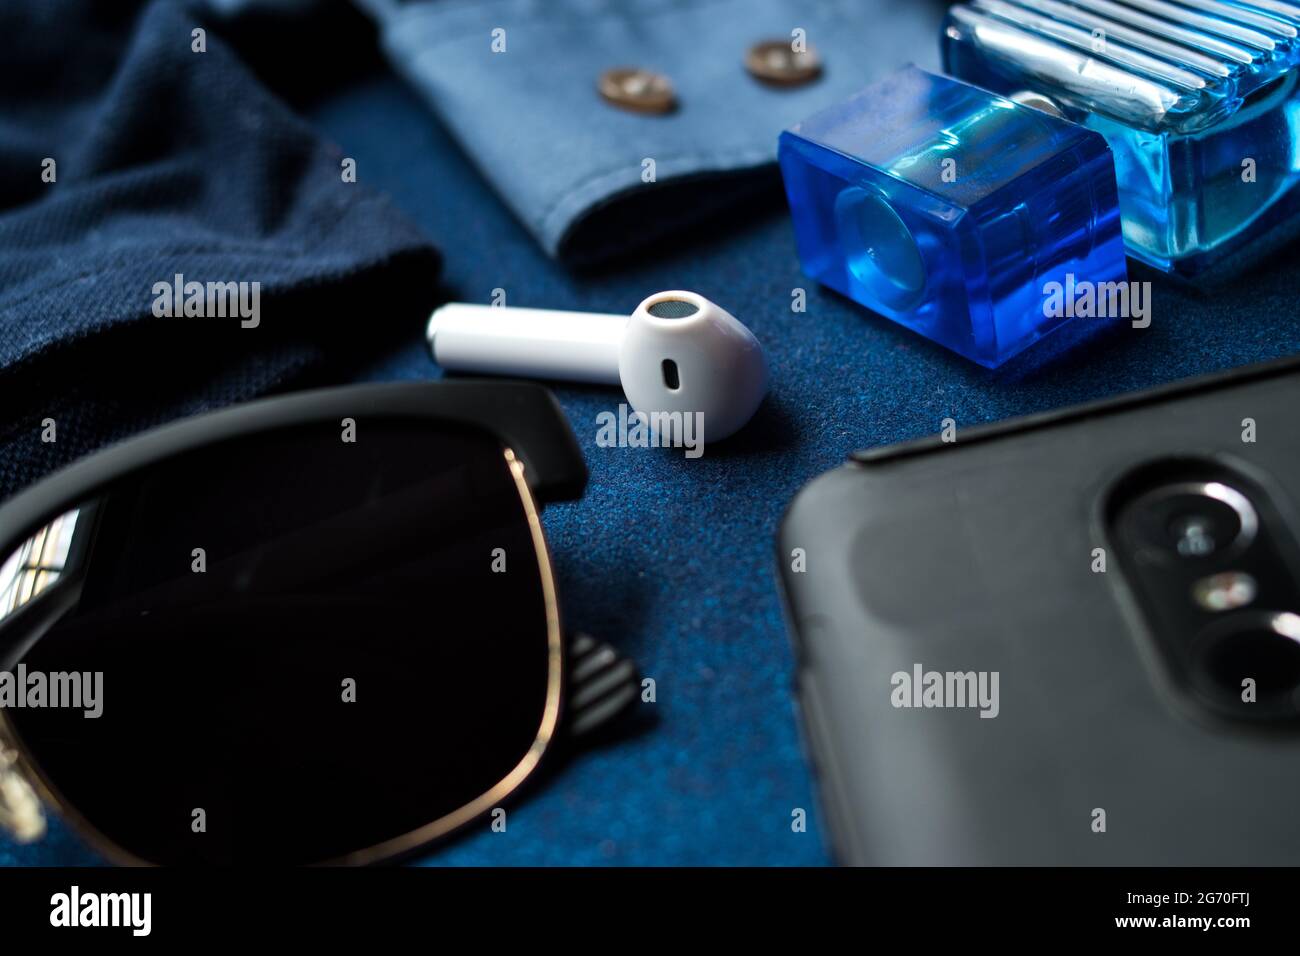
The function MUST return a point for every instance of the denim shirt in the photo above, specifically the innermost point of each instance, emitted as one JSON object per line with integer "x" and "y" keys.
{"x": 516, "y": 83}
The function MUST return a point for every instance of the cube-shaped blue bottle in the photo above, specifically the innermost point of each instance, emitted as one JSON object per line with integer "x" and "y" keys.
{"x": 952, "y": 210}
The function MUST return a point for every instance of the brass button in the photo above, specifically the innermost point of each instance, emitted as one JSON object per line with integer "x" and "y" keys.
{"x": 642, "y": 91}
{"x": 776, "y": 62}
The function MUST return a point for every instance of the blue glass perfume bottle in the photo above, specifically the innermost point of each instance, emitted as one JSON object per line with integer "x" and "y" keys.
{"x": 952, "y": 210}
{"x": 1197, "y": 99}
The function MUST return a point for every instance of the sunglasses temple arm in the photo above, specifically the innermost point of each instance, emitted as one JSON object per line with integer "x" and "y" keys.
{"x": 21, "y": 815}
{"x": 602, "y": 686}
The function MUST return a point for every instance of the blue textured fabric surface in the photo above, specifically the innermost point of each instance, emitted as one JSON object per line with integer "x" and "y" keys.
{"x": 672, "y": 560}
{"x": 568, "y": 164}
{"x": 166, "y": 161}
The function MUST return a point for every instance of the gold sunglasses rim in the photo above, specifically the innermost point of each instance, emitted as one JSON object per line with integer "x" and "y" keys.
{"x": 421, "y": 837}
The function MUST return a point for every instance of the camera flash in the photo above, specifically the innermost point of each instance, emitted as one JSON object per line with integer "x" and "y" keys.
{"x": 1226, "y": 591}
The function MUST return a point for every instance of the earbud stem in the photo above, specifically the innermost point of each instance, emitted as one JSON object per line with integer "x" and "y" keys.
{"x": 527, "y": 343}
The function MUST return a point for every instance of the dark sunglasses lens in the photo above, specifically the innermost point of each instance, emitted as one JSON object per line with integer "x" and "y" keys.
{"x": 309, "y": 646}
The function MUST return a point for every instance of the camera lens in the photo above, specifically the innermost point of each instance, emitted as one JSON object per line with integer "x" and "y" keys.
{"x": 1251, "y": 663}
{"x": 1189, "y": 521}
{"x": 1197, "y": 536}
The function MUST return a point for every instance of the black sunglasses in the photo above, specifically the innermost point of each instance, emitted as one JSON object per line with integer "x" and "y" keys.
{"x": 319, "y": 628}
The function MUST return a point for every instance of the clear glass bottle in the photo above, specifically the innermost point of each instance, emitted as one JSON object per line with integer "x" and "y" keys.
{"x": 1197, "y": 99}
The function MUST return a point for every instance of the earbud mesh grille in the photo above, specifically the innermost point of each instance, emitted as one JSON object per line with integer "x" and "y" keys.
{"x": 672, "y": 309}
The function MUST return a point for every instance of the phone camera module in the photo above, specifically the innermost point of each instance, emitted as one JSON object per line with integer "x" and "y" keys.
{"x": 1211, "y": 564}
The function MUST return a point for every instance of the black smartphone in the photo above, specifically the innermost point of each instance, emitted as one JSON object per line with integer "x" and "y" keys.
{"x": 1072, "y": 638}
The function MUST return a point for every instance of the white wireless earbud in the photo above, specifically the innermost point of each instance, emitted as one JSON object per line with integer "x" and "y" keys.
{"x": 678, "y": 352}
